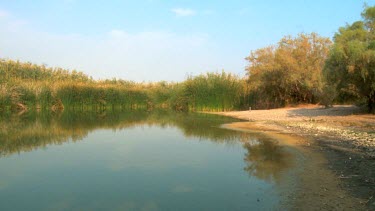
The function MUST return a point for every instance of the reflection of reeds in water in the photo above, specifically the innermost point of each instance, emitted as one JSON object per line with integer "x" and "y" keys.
{"x": 16, "y": 137}
{"x": 36, "y": 130}
{"x": 264, "y": 158}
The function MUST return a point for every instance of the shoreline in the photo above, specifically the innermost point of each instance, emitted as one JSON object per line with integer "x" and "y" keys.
{"x": 338, "y": 146}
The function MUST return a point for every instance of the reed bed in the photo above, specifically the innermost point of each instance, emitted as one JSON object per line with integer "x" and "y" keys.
{"x": 27, "y": 86}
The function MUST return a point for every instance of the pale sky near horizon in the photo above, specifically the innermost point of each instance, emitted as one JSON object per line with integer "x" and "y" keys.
{"x": 153, "y": 40}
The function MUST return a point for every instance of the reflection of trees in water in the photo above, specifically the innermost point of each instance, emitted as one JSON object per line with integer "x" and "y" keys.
{"x": 266, "y": 160}
{"x": 35, "y": 130}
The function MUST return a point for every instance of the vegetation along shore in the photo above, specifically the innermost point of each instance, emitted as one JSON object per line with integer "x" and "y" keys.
{"x": 303, "y": 69}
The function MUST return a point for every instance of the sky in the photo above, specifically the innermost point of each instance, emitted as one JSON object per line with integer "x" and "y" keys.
{"x": 155, "y": 40}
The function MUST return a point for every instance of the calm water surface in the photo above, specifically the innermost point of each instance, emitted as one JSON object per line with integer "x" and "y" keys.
{"x": 136, "y": 161}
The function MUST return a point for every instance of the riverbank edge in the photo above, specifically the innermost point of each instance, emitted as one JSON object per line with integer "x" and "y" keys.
{"x": 325, "y": 178}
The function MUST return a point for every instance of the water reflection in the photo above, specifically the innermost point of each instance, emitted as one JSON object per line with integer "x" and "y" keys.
{"x": 263, "y": 158}
{"x": 267, "y": 160}
{"x": 34, "y": 130}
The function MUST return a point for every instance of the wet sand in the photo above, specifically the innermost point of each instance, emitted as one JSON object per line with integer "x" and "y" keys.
{"x": 336, "y": 166}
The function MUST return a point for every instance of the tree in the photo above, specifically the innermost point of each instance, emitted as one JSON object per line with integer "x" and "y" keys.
{"x": 289, "y": 72}
{"x": 351, "y": 63}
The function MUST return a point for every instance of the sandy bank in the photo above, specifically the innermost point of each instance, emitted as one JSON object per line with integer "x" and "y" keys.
{"x": 344, "y": 126}
{"x": 338, "y": 144}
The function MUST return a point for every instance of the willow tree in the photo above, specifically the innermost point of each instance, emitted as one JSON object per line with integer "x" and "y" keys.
{"x": 351, "y": 63}
{"x": 289, "y": 72}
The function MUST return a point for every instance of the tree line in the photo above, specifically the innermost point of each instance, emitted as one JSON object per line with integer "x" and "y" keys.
{"x": 312, "y": 69}
{"x": 307, "y": 68}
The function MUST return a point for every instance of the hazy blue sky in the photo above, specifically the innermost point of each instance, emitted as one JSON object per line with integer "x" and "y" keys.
{"x": 155, "y": 40}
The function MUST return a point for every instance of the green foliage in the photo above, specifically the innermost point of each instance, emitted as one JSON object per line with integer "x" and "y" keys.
{"x": 327, "y": 95}
{"x": 351, "y": 63}
{"x": 213, "y": 92}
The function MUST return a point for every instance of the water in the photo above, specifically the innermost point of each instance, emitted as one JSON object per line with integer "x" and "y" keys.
{"x": 136, "y": 161}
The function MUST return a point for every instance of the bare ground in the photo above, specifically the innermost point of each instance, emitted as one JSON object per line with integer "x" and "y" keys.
{"x": 339, "y": 146}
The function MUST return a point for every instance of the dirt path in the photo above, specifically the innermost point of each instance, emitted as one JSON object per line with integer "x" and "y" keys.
{"x": 339, "y": 146}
